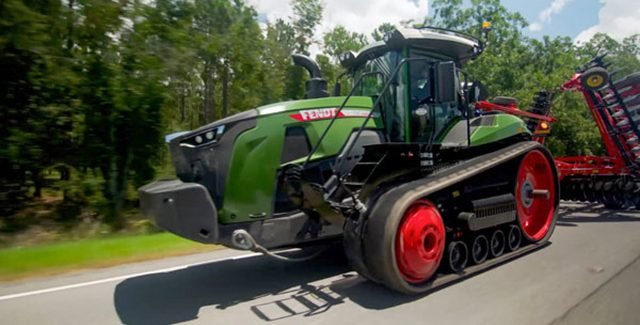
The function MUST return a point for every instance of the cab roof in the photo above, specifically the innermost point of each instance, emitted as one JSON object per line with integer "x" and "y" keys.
{"x": 436, "y": 42}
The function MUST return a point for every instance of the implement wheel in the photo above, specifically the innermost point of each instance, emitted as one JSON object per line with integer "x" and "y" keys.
{"x": 595, "y": 78}
{"x": 536, "y": 196}
{"x": 404, "y": 250}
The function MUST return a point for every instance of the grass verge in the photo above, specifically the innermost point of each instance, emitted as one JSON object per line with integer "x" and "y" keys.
{"x": 22, "y": 262}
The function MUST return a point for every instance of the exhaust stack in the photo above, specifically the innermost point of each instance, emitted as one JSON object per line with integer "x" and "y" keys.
{"x": 316, "y": 87}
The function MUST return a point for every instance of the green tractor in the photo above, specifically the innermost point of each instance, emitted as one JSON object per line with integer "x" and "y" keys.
{"x": 420, "y": 186}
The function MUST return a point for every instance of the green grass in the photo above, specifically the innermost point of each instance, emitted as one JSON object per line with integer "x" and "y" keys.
{"x": 16, "y": 263}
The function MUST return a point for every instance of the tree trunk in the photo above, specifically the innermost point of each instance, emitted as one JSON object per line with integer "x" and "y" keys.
{"x": 225, "y": 88}
{"x": 38, "y": 183}
{"x": 70, "y": 5}
{"x": 209, "y": 91}
{"x": 183, "y": 94}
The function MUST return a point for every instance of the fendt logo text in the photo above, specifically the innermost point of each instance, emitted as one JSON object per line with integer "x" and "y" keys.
{"x": 326, "y": 113}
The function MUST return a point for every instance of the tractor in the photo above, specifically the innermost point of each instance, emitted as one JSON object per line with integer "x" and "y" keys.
{"x": 422, "y": 180}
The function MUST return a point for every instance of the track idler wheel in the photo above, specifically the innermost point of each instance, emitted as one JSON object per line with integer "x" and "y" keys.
{"x": 514, "y": 238}
{"x": 404, "y": 249}
{"x": 457, "y": 256}
{"x": 419, "y": 242}
{"x": 536, "y": 196}
{"x": 498, "y": 243}
{"x": 479, "y": 249}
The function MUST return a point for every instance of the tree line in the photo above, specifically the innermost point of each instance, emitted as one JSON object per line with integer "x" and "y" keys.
{"x": 89, "y": 87}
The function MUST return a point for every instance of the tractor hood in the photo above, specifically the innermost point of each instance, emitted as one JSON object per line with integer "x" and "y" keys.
{"x": 203, "y": 155}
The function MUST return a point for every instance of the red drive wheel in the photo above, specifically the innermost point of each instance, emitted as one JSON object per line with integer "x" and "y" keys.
{"x": 535, "y": 195}
{"x": 420, "y": 242}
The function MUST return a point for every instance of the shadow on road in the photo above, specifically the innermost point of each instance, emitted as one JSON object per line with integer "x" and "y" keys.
{"x": 177, "y": 296}
{"x": 289, "y": 289}
{"x": 587, "y": 213}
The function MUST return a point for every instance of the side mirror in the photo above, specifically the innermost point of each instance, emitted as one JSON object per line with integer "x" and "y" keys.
{"x": 446, "y": 82}
{"x": 475, "y": 91}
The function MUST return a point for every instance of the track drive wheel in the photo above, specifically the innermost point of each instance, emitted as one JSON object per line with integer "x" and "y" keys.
{"x": 536, "y": 196}
{"x": 404, "y": 250}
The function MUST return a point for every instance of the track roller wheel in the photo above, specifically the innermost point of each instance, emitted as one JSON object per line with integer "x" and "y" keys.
{"x": 479, "y": 249}
{"x": 514, "y": 238}
{"x": 498, "y": 243}
{"x": 535, "y": 192}
{"x": 457, "y": 256}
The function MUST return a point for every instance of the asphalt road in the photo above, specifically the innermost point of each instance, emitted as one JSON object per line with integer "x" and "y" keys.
{"x": 590, "y": 274}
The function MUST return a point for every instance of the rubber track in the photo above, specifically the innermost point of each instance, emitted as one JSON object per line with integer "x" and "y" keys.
{"x": 397, "y": 200}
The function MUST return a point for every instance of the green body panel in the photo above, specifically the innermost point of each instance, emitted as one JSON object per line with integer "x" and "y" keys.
{"x": 504, "y": 126}
{"x": 251, "y": 182}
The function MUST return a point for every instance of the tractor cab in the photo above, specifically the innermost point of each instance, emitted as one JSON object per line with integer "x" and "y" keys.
{"x": 422, "y": 70}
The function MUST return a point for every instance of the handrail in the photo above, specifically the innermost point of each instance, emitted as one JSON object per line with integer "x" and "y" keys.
{"x": 377, "y": 103}
{"x": 337, "y": 113}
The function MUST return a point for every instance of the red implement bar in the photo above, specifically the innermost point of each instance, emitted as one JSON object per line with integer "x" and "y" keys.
{"x": 490, "y": 107}
{"x": 542, "y": 127}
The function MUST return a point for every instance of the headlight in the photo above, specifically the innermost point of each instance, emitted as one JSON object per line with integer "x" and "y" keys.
{"x": 202, "y": 138}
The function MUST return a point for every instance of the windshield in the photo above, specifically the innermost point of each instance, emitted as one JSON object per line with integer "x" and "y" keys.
{"x": 383, "y": 65}
{"x": 391, "y": 104}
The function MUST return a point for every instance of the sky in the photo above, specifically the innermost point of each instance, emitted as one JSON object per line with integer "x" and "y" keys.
{"x": 578, "y": 19}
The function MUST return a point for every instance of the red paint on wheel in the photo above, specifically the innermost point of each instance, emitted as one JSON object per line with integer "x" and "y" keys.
{"x": 420, "y": 242}
{"x": 535, "y": 213}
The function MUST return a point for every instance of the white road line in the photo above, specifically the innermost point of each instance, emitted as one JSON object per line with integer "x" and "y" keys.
{"x": 122, "y": 277}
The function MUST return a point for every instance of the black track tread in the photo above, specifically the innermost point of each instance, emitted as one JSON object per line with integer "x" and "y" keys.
{"x": 353, "y": 250}
{"x": 387, "y": 212}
